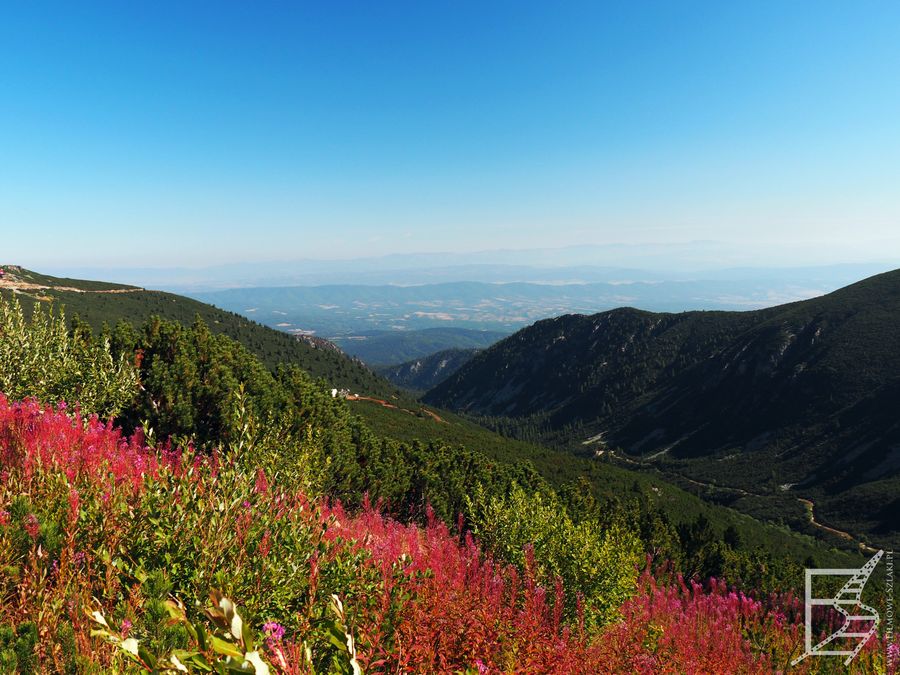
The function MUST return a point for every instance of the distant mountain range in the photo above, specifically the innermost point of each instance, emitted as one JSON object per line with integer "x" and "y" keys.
{"x": 802, "y": 398}
{"x": 350, "y": 309}
{"x": 374, "y": 307}
{"x": 385, "y": 348}
{"x": 420, "y": 375}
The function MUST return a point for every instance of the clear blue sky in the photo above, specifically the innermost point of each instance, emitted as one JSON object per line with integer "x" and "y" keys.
{"x": 159, "y": 133}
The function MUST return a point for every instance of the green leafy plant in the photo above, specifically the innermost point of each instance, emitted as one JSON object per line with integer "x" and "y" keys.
{"x": 39, "y": 357}
{"x": 534, "y": 529}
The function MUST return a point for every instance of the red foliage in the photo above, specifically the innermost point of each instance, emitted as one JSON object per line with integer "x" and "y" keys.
{"x": 465, "y": 610}
{"x": 442, "y": 605}
{"x": 32, "y": 435}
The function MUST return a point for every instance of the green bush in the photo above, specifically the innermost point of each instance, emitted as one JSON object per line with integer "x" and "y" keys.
{"x": 601, "y": 562}
{"x": 39, "y": 357}
{"x": 17, "y": 648}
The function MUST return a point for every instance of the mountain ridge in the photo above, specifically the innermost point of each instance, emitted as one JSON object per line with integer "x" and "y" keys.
{"x": 798, "y": 395}
{"x": 422, "y": 374}
{"x": 100, "y": 304}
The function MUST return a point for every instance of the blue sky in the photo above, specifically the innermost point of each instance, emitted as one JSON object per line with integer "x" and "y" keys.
{"x": 160, "y": 134}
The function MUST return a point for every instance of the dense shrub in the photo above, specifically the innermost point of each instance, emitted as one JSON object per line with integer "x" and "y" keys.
{"x": 39, "y": 357}
{"x": 534, "y": 531}
{"x": 117, "y": 527}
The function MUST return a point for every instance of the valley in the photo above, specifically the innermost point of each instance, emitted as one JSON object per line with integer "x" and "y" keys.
{"x": 420, "y": 375}
{"x": 303, "y": 411}
{"x": 392, "y": 412}
{"x": 796, "y": 400}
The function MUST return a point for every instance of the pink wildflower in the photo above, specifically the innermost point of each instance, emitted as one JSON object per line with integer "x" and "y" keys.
{"x": 262, "y": 485}
{"x": 32, "y": 526}
{"x": 274, "y": 630}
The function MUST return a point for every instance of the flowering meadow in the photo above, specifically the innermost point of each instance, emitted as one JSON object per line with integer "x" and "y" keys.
{"x": 119, "y": 556}
{"x": 232, "y": 531}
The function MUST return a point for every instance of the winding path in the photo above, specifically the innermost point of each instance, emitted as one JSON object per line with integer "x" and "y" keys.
{"x": 810, "y": 509}
{"x": 17, "y": 285}
{"x": 808, "y": 504}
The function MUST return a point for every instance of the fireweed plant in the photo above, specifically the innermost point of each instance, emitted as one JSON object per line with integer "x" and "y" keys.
{"x": 121, "y": 556}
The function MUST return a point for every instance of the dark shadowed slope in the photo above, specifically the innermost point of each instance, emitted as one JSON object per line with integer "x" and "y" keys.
{"x": 422, "y": 374}
{"x": 804, "y": 396}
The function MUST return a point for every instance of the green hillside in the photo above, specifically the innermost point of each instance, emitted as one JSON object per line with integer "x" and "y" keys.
{"x": 392, "y": 447}
{"x": 106, "y": 304}
{"x": 607, "y": 482}
{"x": 758, "y": 407}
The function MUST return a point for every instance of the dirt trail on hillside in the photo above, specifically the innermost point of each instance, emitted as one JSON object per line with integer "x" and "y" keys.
{"x": 386, "y": 404}
{"x": 357, "y": 397}
{"x": 810, "y": 509}
{"x": 82, "y": 290}
{"x": 810, "y": 506}
{"x": 18, "y": 285}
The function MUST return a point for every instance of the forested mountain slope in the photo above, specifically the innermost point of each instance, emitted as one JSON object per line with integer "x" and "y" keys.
{"x": 99, "y": 303}
{"x": 425, "y": 373}
{"x": 798, "y": 397}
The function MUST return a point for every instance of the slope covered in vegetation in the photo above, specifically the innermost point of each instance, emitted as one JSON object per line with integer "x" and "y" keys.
{"x": 228, "y": 490}
{"x": 125, "y": 543}
{"x": 799, "y": 397}
{"x": 99, "y": 304}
